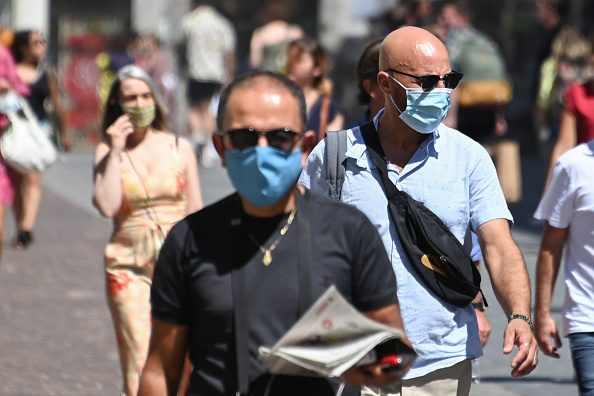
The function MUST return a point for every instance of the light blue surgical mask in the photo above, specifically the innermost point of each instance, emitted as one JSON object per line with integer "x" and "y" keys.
{"x": 425, "y": 110}
{"x": 263, "y": 175}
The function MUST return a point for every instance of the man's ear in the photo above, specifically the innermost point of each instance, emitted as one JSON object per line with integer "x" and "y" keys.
{"x": 217, "y": 140}
{"x": 307, "y": 144}
{"x": 383, "y": 82}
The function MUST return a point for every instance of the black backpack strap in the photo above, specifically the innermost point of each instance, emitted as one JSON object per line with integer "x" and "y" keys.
{"x": 376, "y": 152}
{"x": 336, "y": 146}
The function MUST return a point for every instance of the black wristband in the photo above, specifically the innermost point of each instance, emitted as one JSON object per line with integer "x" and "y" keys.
{"x": 480, "y": 306}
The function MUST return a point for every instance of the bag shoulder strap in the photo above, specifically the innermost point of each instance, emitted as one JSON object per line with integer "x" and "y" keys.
{"x": 150, "y": 202}
{"x": 336, "y": 146}
{"x": 376, "y": 152}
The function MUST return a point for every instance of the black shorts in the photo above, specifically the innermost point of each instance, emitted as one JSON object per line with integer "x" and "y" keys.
{"x": 199, "y": 92}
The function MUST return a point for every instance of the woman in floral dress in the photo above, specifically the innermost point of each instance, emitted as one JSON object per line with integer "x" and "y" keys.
{"x": 145, "y": 179}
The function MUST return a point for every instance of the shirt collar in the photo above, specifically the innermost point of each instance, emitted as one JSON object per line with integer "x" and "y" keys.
{"x": 357, "y": 149}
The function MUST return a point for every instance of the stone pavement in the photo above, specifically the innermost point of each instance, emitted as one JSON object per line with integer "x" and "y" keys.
{"x": 56, "y": 336}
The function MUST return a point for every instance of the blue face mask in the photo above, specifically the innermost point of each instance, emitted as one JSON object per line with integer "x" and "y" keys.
{"x": 263, "y": 175}
{"x": 425, "y": 110}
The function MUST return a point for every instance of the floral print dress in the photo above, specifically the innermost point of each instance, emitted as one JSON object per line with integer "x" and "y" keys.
{"x": 131, "y": 254}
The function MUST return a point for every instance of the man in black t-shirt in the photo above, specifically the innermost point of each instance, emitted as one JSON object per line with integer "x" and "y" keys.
{"x": 256, "y": 244}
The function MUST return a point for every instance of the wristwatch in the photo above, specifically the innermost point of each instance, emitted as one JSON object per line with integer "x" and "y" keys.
{"x": 480, "y": 306}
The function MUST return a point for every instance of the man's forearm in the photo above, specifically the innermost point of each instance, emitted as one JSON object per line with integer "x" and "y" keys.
{"x": 510, "y": 281}
{"x": 506, "y": 267}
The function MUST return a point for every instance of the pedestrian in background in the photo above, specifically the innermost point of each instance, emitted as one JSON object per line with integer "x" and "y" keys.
{"x": 567, "y": 64}
{"x": 207, "y": 40}
{"x": 369, "y": 93}
{"x": 29, "y": 49}
{"x": 567, "y": 206}
{"x": 308, "y": 66}
{"x": 9, "y": 80}
{"x": 576, "y": 119}
{"x": 152, "y": 58}
{"x": 478, "y": 105}
{"x": 268, "y": 45}
{"x": 145, "y": 179}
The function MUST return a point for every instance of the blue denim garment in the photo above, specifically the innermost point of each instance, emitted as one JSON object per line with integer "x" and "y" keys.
{"x": 582, "y": 355}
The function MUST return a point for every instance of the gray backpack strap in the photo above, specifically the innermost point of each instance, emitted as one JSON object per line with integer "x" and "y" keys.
{"x": 336, "y": 146}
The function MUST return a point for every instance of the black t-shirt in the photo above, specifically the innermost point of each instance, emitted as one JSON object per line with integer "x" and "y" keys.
{"x": 192, "y": 280}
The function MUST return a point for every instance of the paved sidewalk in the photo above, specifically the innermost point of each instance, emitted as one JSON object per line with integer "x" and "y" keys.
{"x": 56, "y": 336}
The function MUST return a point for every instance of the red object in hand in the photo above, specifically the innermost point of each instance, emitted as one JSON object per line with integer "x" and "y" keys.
{"x": 386, "y": 363}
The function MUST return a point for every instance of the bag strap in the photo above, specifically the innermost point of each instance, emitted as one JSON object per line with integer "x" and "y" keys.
{"x": 304, "y": 253}
{"x": 238, "y": 280}
{"x": 376, "y": 152}
{"x": 25, "y": 108}
{"x": 148, "y": 198}
{"x": 336, "y": 146}
{"x": 242, "y": 352}
{"x": 324, "y": 112}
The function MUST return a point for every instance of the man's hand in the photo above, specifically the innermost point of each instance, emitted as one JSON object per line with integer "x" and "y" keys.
{"x": 546, "y": 329}
{"x": 376, "y": 374}
{"x": 519, "y": 333}
{"x": 483, "y": 325}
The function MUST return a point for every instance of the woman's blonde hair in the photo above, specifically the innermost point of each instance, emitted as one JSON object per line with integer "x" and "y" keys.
{"x": 571, "y": 46}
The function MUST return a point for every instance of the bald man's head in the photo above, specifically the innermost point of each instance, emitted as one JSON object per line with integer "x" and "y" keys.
{"x": 413, "y": 50}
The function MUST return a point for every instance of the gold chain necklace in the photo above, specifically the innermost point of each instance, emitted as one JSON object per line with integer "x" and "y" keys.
{"x": 267, "y": 259}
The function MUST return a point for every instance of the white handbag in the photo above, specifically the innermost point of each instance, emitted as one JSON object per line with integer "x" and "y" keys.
{"x": 24, "y": 145}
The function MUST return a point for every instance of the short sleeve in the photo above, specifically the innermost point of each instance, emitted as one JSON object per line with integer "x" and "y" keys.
{"x": 169, "y": 294}
{"x": 228, "y": 41}
{"x": 556, "y": 205}
{"x": 487, "y": 201}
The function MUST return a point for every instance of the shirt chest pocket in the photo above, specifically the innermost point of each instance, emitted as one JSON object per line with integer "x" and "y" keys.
{"x": 448, "y": 200}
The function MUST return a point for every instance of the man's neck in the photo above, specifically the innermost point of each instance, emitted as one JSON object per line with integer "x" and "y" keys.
{"x": 399, "y": 141}
{"x": 283, "y": 205}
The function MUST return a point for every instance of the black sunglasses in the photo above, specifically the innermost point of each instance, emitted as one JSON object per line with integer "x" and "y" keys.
{"x": 282, "y": 138}
{"x": 430, "y": 81}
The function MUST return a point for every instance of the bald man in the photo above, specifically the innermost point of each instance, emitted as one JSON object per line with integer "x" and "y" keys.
{"x": 455, "y": 178}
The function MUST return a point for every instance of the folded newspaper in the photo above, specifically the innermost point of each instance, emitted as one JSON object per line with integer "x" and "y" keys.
{"x": 330, "y": 338}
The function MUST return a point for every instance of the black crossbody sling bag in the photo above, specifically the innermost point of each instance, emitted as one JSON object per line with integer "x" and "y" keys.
{"x": 435, "y": 254}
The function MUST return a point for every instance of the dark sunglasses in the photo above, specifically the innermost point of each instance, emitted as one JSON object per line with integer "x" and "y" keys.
{"x": 282, "y": 138}
{"x": 430, "y": 81}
